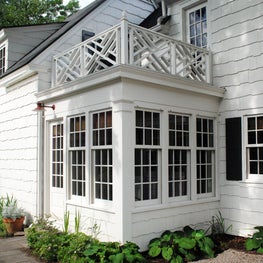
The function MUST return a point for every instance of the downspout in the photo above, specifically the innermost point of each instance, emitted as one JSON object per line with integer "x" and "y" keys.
{"x": 40, "y": 165}
{"x": 164, "y": 9}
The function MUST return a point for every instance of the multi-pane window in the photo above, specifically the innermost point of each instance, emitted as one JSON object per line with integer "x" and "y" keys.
{"x": 102, "y": 155}
{"x": 205, "y": 155}
{"x": 2, "y": 60}
{"x": 57, "y": 155}
{"x": 178, "y": 155}
{"x": 197, "y": 26}
{"x": 77, "y": 156}
{"x": 147, "y": 155}
{"x": 255, "y": 145}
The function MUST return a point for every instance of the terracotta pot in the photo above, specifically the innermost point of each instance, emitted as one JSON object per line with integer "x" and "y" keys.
{"x": 13, "y": 226}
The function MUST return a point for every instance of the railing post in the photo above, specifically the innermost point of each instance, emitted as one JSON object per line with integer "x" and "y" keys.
{"x": 82, "y": 60}
{"x": 54, "y": 73}
{"x": 208, "y": 65}
{"x": 173, "y": 58}
{"x": 124, "y": 39}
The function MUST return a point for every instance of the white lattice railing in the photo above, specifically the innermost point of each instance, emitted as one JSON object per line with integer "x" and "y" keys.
{"x": 133, "y": 45}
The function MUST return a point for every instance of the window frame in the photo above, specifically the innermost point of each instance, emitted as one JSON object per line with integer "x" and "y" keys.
{"x": 151, "y": 147}
{"x": 247, "y": 146}
{"x": 206, "y": 149}
{"x": 187, "y": 11}
{"x": 109, "y": 166}
{"x": 76, "y": 149}
{"x": 3, "y": 62}
{"x": 184, "y": 147}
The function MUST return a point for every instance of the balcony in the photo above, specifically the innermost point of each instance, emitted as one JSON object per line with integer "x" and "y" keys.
{"x": 132, "y": 45}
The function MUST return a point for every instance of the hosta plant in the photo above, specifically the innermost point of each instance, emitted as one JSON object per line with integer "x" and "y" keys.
{"x": 180, "y": 246}
{"x": 256, "y": 242}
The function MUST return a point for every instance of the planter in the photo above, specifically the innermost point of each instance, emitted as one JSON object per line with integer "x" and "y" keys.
{"x": 12, "y": 225}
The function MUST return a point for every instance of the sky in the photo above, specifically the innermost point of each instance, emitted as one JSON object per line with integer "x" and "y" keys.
{"x": 82, "y": 3}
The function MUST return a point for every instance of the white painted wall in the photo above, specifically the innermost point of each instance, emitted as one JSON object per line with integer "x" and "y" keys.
{"x": 18, "y": 144}
{"x": 236, "y": 44}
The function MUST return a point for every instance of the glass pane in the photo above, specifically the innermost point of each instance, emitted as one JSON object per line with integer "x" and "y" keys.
{"x": 177, "y": 189}
{"x": 260, "y": 153}
{"x": 192, "y": 31}
{"x": 138, "y": 193}
{"x": 154, "y": 158}
{"x": 139, "y": 118}
{"x": 253, "y": 168}
{"x": 97, "y": 157}
{"x": 198, "y": 28}
{"x": 95, "y": 138}
{"x": 197, "y": 15}
{"x": 170, "y": 190}
{"x": 260, "y": 136}
{"x": 139, "y": 136}
{"x": 71, "y": 124}
{"x": 146, "y": 175}
{"x": 146, "y": 157}
{"x": 186, "y": 123}
{"x": 198, "y": 125}
{"x": 184, "y": 188}
{"x": 154, "y": 191}
{"x": 204, "y": 27}
{"x": 192, "y": 40}
{"x": 83, "y": 123}
{"x": 179, "y": 123}
{"x": 171, "y": 122}
{"x": 95, "y": 121}
{"x": 260, "y": 122}
{"x": 156, "y": 120}
{"x": 172, "y": 138}
{"x": 156, "y": 137}
{"x": 109, "y": 119}
{"x": 102, "y": 120}
{"x": 251, "y": 123}
{"x": 76, "y": 140}
{"x": 137, "y": 174}
{"x": 146, "y": 192}
{"x": 203, "y": 13}
{"x": 102, "y": 137}
{"x": 148, "y": 137}
{"x": 109, "y": 137}
{"x": 137, "y": 157}
{"x": 192, "y": 17}
{"x": 77, "y": 124}
{"x": 97, "y": 190}
{"x": 104, "y": 157}
{"x": 179, "y": 139}
{"x": 154, "y": 174}
{"x": 253, "y": 154}
{"x": 251, "y": 137}
{"x": 148, "y": 119}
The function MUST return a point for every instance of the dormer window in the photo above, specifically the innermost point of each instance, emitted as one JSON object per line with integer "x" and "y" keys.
{"x": 197, "y": 26}
{"x": 2, "y": 59}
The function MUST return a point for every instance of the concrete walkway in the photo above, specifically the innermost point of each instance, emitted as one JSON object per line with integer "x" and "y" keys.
{"x": 13, "y": 250}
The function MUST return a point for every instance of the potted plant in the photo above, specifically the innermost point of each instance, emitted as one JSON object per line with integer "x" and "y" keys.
{"x": 13, "y": 216}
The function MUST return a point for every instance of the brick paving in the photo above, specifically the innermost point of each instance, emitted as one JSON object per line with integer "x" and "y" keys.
{"x": 14, "y": 250}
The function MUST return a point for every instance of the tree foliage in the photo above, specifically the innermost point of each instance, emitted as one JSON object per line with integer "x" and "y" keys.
{"x": 28, "y": 12}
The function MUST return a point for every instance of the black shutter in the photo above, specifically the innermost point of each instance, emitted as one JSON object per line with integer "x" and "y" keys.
{"x": 87, "y": 34}
{"x": 233, "y": 149}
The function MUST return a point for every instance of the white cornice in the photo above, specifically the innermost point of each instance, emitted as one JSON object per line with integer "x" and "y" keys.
{"x": 16, "y": 76}
{"x": 129, "y": 73}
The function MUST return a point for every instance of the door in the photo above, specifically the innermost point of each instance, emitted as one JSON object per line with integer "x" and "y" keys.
{"x": 57, "y": 180}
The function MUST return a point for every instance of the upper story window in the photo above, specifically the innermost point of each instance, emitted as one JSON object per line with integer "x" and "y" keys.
{"x": 197, "y": 26}
{"x": 255, "y": 146}
{"x": 2, "y": 59}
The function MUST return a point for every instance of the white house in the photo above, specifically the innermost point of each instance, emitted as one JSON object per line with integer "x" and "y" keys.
{"x": 157, "y": 120}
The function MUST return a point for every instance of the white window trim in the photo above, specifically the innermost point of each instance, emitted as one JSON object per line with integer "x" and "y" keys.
{"x": 249, "y": 177}
{"x": 5, "y": 45}
{"x": 157, "y": 201}
{"x": 190, "y": 6}
{"x": 96, "y": 202}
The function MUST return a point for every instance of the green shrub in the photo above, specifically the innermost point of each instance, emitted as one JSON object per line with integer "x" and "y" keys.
{"x": 179, "y": 246}
{"x": 256, "y": 242}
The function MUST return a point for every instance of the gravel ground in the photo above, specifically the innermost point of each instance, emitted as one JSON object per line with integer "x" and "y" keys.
{"x": 234, "y": 256}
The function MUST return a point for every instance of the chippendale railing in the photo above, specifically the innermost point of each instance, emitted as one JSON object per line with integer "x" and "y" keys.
{"x": 132, "y": 45}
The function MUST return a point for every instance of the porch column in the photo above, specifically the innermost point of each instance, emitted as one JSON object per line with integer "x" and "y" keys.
{"x": 123, "y": 141}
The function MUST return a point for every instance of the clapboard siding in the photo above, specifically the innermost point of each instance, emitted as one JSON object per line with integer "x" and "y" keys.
{"x": 18, "y": 144}
{"x": 236, "y": 43}
{"x": 151, "y": 224}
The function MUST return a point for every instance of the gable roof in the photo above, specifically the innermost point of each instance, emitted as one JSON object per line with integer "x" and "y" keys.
{"x": 69, "y": 23}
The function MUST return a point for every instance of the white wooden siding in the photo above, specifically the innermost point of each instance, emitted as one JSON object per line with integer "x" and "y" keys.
{"x": 18, "y": 144}
{"x": 236, "y": 43}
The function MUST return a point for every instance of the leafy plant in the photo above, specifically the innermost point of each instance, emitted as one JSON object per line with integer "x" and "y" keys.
{"x": 217, "y": 225}
{"x": 77, "y": 221}
{"x": 9, "y": 208}
{"x": 178, "y": 246}
{"x": 256, "y": 242}
{"x": 66, "y": 222}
